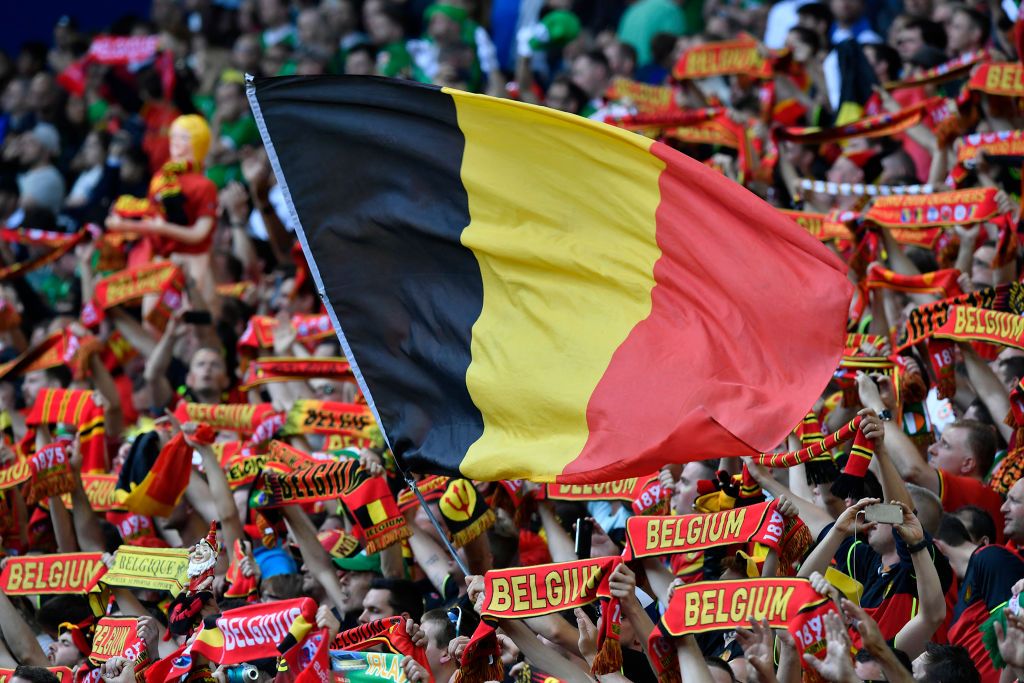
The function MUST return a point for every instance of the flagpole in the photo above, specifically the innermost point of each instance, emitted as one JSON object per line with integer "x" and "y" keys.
{"x": 441, "y": 531}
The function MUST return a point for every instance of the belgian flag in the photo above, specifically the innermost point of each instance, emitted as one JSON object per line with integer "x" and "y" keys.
{"x": 524, "y": 293}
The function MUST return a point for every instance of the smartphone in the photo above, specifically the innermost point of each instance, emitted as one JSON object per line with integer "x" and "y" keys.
{"x": 883, "y": 513}
{"x": 584, "y": 530}
{"x": 197, "y": 318}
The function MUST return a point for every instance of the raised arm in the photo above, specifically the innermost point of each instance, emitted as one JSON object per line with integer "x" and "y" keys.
{"x": 909, "y": 462}
{"x": 989, "y": 389}
{"x": 913, "y": 637}
{"x": 19, "y": 635}
{"x": 314, "y": 555}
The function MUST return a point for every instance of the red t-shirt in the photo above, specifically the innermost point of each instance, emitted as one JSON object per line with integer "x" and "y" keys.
{"x": 956, "y": 492}
{"x": 200, "y": 201}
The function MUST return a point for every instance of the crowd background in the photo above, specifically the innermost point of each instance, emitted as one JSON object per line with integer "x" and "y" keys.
{"x": 171, "y": 121}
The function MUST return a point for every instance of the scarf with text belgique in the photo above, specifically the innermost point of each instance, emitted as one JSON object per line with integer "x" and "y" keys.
{"x": 723, "y": 605}
{"x": 75, "y": 407}
{"x": 376, "y": 519}
{"x": 523, "y": 592}
{"x": 851, "y": 480}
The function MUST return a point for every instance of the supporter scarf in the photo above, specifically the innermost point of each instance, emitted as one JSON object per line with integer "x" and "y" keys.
{"x": 236, "y": 290}
{"x": 999, "y": 78}
{"x": 942, "y": 282}
{"x": 856, "y": 465}
{"x": 267, "y": 370}
{"x": 128, "y": 206}
{"x": 15, "y": 474}
{"x": 160, "y": 569}
{"x": 377, "y": 521}
{"x": 860, "y": 189}
{"x": 310, "y": 662}
{"x": 165, "y": 189}
{"x": 51, "y": 473}
{"x": 123, "y": 50}
{"x": 822, "y": 469}
{"x": 725, "y": 605}
{"x": 63, "y": 674}
{"x": 648, "y": 536}
{"x": 431, "y": 487}
{"x": 367, "y": 667}
{"x": 130, "y": 286}
{"x": 16, "y": 270}
{"x": 819, "y": 225}
{"x": 99, "y": 489}
{"x": 654, "y": 499}
{"x": 947, "y": 71}
{"x": 725, "y": 58}
{"x": 118, "y": 351}
{"x": 1003, "y": 143}
{"x": 310, "y": 416}
{"x": 243, "y": 471}
{"x": 965, "y": 323}
{"x": 242, "y": 418}
{"x": 727, "y": 491}
{"x": 74, "y": 573}
{"x": 35, "y": 237}
{"x": 465, "y": 512}
{"x": 390, "y": 633}
{"x": 879, "y": 125}
{"x": 946, "y": 208}
{"x": 625, "y": 490}
{"x": 522, "y": 592}
{"x": 926, "y": 318}
{"x": 239, "y": 585}
{"x": 645, "y": 98}
{"x": 74, "y": 407}
{"x": 256, "y": 631}
{"x": 259, "y": 333}
{"x": 713, "y": 132}
{"x": 78, "y": 351}
{"x": 1011, "y": 468}
{"x": 660, "y": 120}
{"x": 118, "y": 637}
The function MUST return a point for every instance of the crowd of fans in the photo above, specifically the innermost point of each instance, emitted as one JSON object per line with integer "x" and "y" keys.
{"x": 168, "y": 122}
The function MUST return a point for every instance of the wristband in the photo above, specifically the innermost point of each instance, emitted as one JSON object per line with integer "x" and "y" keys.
{"x": 921, "y": 545}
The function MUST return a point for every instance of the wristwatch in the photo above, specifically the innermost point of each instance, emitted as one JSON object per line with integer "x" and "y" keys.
{"x": 885, "y": 415}
{"x": 919, "y": 546}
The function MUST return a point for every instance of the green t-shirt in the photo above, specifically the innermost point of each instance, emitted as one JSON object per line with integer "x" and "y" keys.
{"x": 646, "y": 18}
{"x": 241, "y": 133}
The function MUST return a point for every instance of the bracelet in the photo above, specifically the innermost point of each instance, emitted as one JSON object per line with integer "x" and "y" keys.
{"x": 919, "y": 546}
